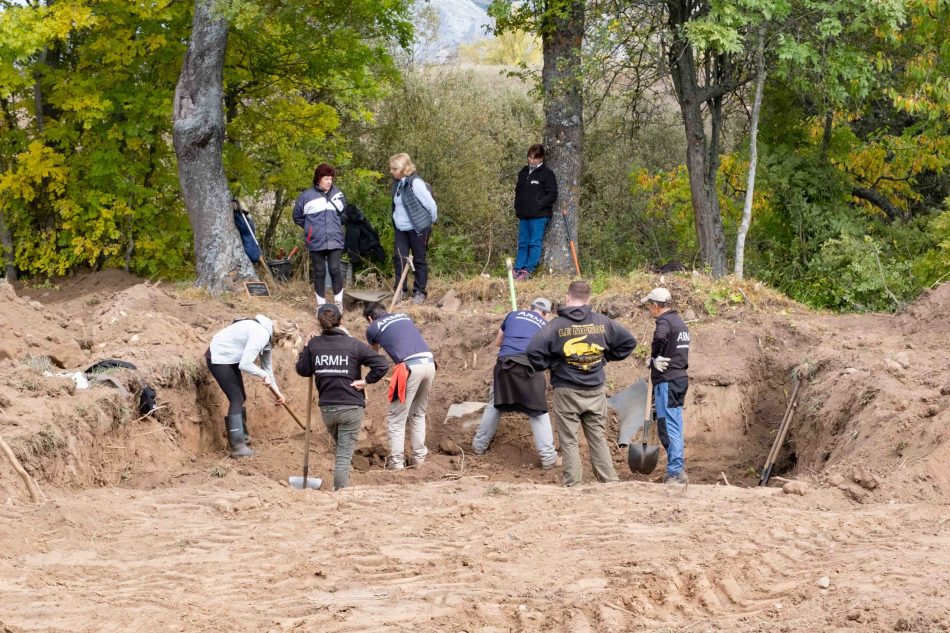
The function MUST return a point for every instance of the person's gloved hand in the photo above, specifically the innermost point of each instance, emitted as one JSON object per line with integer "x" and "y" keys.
{"x": 660, "y": 363}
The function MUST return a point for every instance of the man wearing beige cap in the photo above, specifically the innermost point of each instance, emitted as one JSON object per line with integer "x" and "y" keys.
{"x": 516, "y": 386}
{"x": 668, "y": 362}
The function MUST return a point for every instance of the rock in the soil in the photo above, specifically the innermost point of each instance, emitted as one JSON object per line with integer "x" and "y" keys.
{"x": 903, "y": 359}
{"x": 824, "y": 582}
{"x": 361, "y": 463}
{"x": 689, "y": 315}
{"x": 67, "y": 355}
{"x": 865, "y": 478}
{"x": 893, "y": 366}
{"x": 795, "y": 488}
{"x": 856, "y": 493}
{"x": 452, "y": 305}
{"x": 6, "y": 351}
{"x": 449, "y": 447}
{"x": 463, "y": 409}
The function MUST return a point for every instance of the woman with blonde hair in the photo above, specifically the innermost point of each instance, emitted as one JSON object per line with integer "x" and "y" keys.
{"x": 235, "y": 349}
{"x": 414, "y": 213}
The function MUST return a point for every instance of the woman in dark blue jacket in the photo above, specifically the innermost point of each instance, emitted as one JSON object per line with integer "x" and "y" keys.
{"x": 319, "y": 211}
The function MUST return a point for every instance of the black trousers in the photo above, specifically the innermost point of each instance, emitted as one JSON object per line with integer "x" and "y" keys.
{"x": 229, "y": 379}
{"x": 320, "y": 261}
{"x": 405, "y": 242}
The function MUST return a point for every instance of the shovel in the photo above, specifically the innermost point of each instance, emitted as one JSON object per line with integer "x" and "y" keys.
{"x": 640, "y": 457}
{"x": 302, "y": 483}
{"x": 629, "y": 405}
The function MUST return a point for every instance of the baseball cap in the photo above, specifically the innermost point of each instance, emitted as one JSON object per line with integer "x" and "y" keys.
{"x": 541, "y": 302}
{"x": 327, "y": 307}
{"x": 660, "y": 295}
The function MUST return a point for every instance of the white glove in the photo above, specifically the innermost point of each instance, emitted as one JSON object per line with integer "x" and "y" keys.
{"x": 660, "y": 363}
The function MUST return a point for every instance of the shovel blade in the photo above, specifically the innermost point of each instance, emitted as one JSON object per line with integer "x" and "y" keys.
{"x": 313, "y": 483}
{"x": 642, "y": 458}
{"x": 629, "y": 405}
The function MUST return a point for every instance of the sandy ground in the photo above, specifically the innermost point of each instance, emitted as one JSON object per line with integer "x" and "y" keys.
{"x": 150, "y": 527}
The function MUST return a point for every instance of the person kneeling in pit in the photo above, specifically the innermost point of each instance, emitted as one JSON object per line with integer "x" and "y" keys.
{"x": 516, "y": 386}
{"x": 334, "y": 359}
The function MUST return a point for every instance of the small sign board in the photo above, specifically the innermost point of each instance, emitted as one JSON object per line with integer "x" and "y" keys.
{"x": 256, "y": 288}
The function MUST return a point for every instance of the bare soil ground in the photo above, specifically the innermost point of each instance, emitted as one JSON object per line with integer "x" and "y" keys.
{"x": 150, "y": 526}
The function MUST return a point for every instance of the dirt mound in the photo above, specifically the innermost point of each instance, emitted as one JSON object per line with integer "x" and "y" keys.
{"x": 876, "y": 393}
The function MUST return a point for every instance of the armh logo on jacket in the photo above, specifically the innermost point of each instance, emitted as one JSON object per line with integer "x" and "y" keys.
{"x": 582, "y": 355}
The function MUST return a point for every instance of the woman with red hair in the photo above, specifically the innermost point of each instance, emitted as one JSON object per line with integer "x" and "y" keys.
{"x": 319, "y": 211}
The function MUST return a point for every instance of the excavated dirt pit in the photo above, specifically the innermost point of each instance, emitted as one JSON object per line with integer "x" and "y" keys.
{"x": 488, "y": 543}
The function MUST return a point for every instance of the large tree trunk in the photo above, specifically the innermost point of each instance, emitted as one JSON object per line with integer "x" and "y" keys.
{"x": 563, "y": 130}
{"x": 198, "y": 132}
{"x": 753, "y": 154}
{"x": 6, "y": 241}
{"x": 702, "y": 156}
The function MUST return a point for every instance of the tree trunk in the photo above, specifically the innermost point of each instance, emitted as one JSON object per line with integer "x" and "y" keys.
{"x": 198, "y": 133}
{"x": 561, "y": 41}
{"x": 753, "y": 154}
{"x": 270, "y": 233}
{"x": 6, "y": 241}
{"x": 702, "y": 158}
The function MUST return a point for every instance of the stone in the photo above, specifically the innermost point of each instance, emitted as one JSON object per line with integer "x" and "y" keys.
{"x": 824, "y": 582}
{"x": 448, "y": 296}
{"x": 453, "y": 304}
{"x": 902, "y": 359}
{"x": 463, "y": 409}
{"x": 67, "y": 355}
{"x": 865, "y": 478}
{"x": 7, "y": 351}
{"x": 893, "y": 366}
{"x": 795, "y": 488}
{"x": 361, "y": 463}
{"x": 689, "y": 315}
{"x": 856, "y": 493}
{"x": 449, "y": 447}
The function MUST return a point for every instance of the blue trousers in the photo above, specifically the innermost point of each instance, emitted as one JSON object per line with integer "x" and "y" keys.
{"x": 674, "y": 428}
{"x": 530, "y": 239}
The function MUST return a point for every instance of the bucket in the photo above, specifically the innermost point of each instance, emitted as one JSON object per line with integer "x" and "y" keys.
{"x": 280, "y": 268}
{"x": 345, "y": 267}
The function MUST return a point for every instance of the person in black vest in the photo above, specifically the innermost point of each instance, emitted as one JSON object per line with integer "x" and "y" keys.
{"x": 414, "y": 213}
{"x": 535, "y": 195}
{"x": 668, "y": 362}
{"x": 334, "y": 359}
{"x": 319, "y": 211}
{"x": 411, "y": 381}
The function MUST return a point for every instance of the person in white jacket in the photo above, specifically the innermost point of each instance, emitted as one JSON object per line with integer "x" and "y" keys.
{"x": 236, "y": 349}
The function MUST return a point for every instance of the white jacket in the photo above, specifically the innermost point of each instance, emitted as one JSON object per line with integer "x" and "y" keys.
{"x": 242, "y": 343}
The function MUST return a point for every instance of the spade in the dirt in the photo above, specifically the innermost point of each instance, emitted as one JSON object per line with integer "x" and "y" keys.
{"x": 634, "y": 405}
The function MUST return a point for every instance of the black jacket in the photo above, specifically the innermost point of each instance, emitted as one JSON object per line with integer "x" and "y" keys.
{"x": 536, "y": 194}
{"x": 576, "y": 345}
{"x": 336, "y": 359}
{"x": 670, "y": 339}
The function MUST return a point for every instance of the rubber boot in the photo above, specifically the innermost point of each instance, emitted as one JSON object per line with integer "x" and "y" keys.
{"x": 235, "y": 426}
{"x": 247, "y": 436}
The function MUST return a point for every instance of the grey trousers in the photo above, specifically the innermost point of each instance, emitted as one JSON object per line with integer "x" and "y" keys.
{"x": 540, "y": 429}
{"x": 576, "y": 409}
{"x": 411, "y": 414}
{"x": 344, "y": 423}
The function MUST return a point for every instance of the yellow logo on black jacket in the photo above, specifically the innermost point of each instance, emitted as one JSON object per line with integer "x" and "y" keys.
{"x": 582, "y": 355}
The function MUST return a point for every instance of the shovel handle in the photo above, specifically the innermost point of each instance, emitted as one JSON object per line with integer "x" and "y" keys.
{"x": 284, "y": 404}
{"x": 306, "y": 435}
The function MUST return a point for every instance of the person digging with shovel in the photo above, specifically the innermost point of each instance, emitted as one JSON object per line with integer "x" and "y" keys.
{"x": 516, "y": 386}
{"x": 576, "y": 346}
{"x": 411, "y": 382}
{"x": 234, "y": 350}
{"x": 668, "y": 362}
{"x": 335, "y": 360}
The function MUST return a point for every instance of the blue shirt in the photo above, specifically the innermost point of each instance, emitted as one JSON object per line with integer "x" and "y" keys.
{"x": 398, "y": 335}
{"x": 519, "y": 327}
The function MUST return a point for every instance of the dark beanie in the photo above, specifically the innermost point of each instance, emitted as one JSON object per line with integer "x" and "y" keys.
{"x": 322, "y": 170}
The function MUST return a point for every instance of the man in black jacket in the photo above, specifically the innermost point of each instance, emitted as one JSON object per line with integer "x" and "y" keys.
{"x": 535, "y": 195}
{"x": 668, "y": 362}
{"x": 575, "y": 346}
